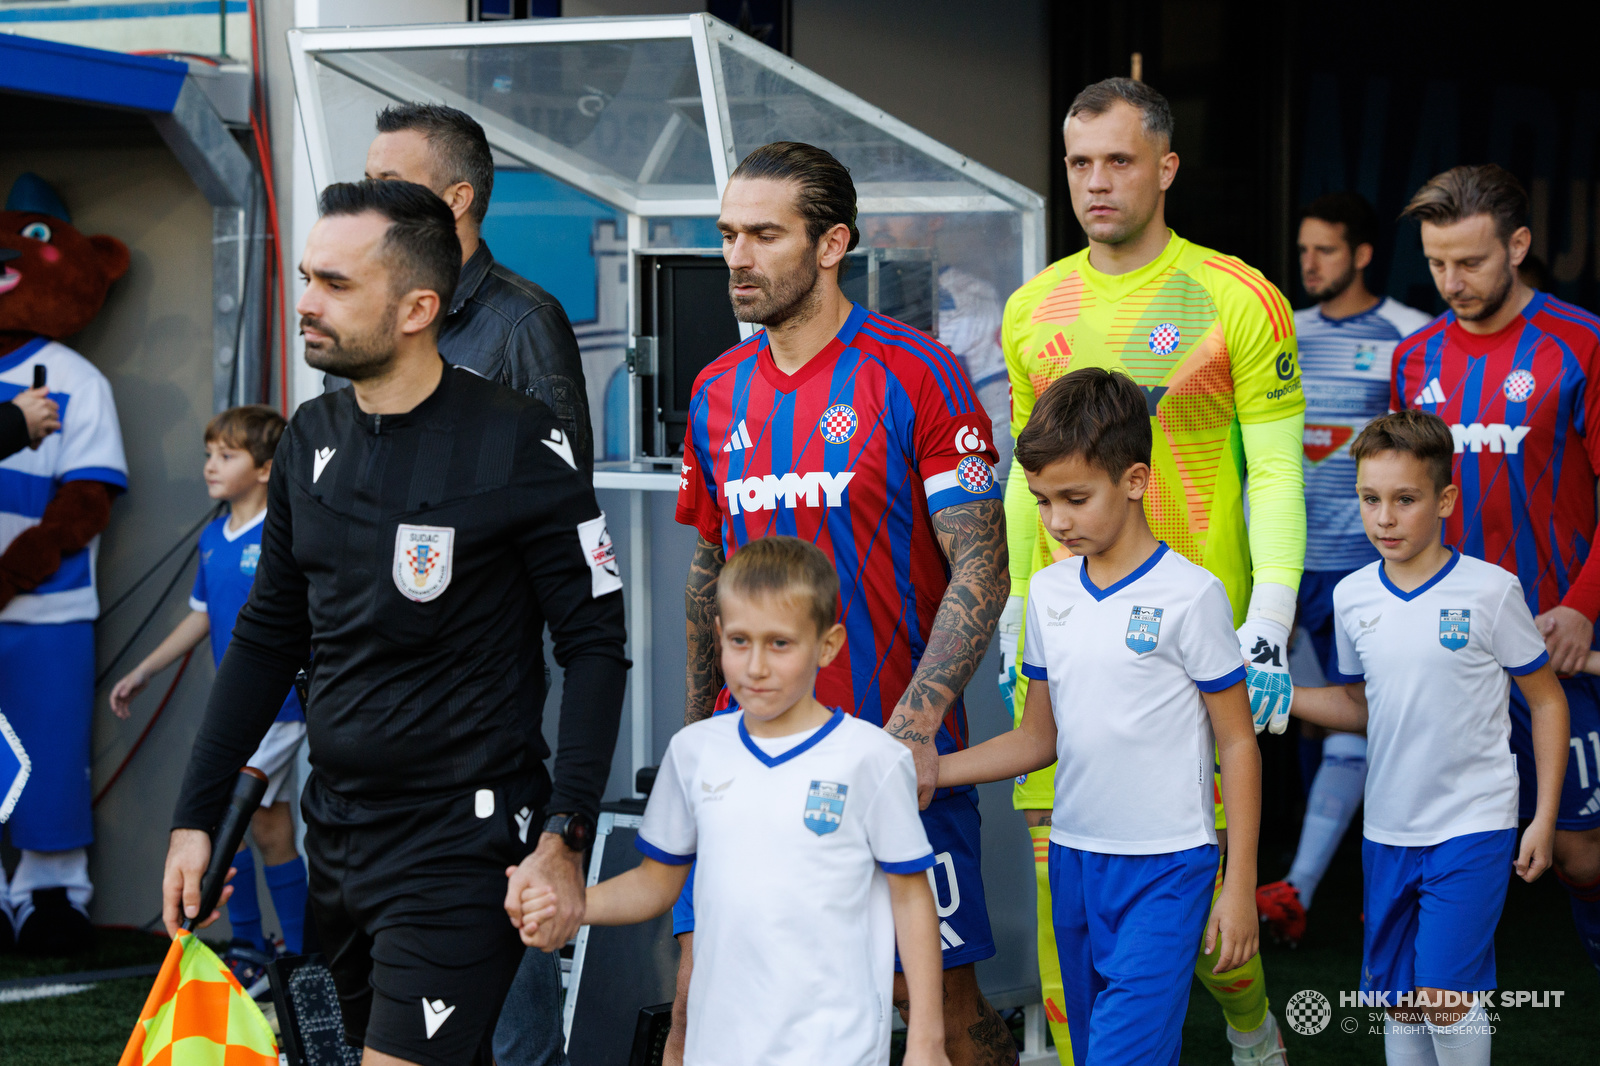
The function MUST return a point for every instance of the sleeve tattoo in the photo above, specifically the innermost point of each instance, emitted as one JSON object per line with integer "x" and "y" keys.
{"x": 700, "y": 609}
{"x": 973, "y": 537}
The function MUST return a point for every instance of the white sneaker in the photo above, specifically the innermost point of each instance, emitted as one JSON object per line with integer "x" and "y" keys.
{"x": 1266, "y": 1050}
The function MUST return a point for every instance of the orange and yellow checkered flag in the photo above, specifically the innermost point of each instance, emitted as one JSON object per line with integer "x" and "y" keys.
{"x": 197, "y": 1014}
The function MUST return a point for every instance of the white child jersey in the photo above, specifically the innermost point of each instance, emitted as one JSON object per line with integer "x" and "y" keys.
{"x": 794, "y": 936}
{"x": 87, "y": 448}
{"x": 1344, "y": 367}
{"x": 1435, "y": 660}
{"x": 1126, "y": 667}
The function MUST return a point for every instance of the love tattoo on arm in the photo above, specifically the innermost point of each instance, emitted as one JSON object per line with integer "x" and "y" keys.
{"x": 700, "y": 610}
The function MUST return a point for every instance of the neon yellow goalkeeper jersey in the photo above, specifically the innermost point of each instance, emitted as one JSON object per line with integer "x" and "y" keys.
{"x": 1211, "y": 342}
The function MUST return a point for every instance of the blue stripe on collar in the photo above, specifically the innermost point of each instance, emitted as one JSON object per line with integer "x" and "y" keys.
{"x": 804, "y": 746}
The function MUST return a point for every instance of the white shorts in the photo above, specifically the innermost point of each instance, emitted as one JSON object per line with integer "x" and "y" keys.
{"x": 275, "y": 757}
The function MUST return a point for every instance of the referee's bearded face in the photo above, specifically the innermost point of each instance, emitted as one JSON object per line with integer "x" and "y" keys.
{"x": 349, "y": 315}
{"x": 773, "y": 265}
{"x": 1117, "y": 172}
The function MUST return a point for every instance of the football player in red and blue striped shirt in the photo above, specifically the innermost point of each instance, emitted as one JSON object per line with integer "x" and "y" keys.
{"x": 865, "y": 437}
{"x": 1516, "y": 373}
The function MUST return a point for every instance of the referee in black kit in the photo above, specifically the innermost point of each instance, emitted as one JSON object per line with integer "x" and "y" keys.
{"x": 422, "y": 527}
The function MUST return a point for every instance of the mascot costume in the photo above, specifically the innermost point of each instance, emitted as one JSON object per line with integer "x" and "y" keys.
{"x": 55, "y": 500}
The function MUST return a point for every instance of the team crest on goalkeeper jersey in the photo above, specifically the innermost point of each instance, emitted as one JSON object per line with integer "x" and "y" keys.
{"x": 825, "y": 806}
{"x": 1144, "y": 629}
{"x": 1455, "y": 625}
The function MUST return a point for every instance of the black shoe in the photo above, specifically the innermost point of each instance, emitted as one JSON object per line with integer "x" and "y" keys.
{"x": 55, "y": 927}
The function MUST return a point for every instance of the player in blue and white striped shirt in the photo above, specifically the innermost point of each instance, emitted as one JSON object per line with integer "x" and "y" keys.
{"x": 1346, "y": 342}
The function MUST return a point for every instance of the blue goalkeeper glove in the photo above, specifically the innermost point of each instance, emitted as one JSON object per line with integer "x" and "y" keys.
{"x": 1264, "y": 640}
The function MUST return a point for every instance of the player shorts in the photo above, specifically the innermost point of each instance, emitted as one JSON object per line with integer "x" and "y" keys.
{"x": 274, "y": 757}
{"x": 409, "y": 906}
{"x": 1431, "y": 912}
{"x": 1580, "y": 790}
{"x": 47, "y": 694}
{"x": 954, "y": 830}
{"x": 1314, "y": 612}
{"x": 1126, "y": 928}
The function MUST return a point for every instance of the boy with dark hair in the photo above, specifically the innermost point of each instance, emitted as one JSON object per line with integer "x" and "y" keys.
{"x": 1426, "y": 638}
{"x": 812, "y": 860}
{"x": 1138, "y": 678}
{"x": 1346, "y": 343}
{"x": 240, "y": 444}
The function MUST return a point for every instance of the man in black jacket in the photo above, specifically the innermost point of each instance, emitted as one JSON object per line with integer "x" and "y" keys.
{"x": 421, "y": 529}
{"x": 499, "y": 324}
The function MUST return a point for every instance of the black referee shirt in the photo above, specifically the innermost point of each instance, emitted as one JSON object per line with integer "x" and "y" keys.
{"x": 419, "y": 556}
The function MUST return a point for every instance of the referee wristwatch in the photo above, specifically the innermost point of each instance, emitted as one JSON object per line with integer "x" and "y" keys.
{"x": 575, "y": 829}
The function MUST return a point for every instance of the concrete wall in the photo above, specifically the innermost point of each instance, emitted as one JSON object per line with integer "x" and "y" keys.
{"x": 153, "y": 342}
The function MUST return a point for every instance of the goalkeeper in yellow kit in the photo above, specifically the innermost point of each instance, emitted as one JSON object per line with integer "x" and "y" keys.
{"x": 1212, "y": 344}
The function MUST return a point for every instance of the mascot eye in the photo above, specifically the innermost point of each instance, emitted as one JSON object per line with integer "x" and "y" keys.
{"x": 36, "y": 231}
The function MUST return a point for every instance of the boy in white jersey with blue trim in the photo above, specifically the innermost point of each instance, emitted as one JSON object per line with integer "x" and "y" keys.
{"x": 1346, "y": 343}
{"x": 812, "y": 860}
{"x": 240, "y": 445}
{"x": 1428, "y": 643}
{"x": 1141, "y": 675}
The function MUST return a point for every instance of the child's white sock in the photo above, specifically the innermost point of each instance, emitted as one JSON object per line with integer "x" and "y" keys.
{"x": 1407, "y": 1044}
{"x": 1466, "y": 1043}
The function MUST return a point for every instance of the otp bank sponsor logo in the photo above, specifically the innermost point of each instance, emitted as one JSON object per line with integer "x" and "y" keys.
{"x": 1496, "y": 436}
{"x": 770, "y": 491}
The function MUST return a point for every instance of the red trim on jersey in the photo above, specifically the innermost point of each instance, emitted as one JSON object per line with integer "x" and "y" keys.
{"x": 1276, "y": 314}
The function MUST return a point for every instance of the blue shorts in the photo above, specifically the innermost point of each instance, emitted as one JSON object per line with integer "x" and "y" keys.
{"x": 1315, "y": 612}
{"x": 1126, "y": 928}
{"x": 1431, "y": 912}
{"x": 47, "y": 694}
{"x": 953, "y": 826}
{"x": 1580, "y": 791}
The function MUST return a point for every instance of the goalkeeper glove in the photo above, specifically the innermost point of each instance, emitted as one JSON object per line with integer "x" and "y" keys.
{"x": 1010, "y": 636}
{"x": 1264, "y": 640}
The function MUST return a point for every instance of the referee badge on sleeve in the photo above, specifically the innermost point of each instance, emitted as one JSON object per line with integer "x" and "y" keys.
{"x": 422, "y": 558}
{"x": 601, "y": 555}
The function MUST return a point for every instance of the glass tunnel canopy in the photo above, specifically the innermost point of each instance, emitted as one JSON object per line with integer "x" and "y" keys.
{"x": 645, "y": 118}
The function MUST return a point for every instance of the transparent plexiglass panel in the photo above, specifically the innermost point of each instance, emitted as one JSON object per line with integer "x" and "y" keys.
{"x": 621, "y": 119}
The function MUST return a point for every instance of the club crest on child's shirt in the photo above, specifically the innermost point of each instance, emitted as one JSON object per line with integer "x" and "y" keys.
{"x": 1144, "y": 629}
{"x": 1454, "y": 627}
{"x": 825, "y": 806}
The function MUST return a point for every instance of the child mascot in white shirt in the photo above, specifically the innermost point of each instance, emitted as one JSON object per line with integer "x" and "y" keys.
{"x": 812, "y": 860}
{"x": 1428, "y": 641}
{"x": 1138, "y": 679}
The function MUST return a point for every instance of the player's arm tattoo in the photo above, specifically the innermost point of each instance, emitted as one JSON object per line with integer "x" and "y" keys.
{"x": 973, "y": 537}
{"x": 700, "y": 610}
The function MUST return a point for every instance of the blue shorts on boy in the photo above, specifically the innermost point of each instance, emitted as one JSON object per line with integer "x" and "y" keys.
{"x": 792, "y": 838}
{"x": 1133, "y": 842}
{"x": 1441, "y": 795}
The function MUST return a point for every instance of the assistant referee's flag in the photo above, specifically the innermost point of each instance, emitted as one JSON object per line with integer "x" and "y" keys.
{"x": 199, "y": 1015}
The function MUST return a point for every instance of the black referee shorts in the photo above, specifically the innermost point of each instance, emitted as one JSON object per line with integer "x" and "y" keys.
{"x": 409, "y": 904}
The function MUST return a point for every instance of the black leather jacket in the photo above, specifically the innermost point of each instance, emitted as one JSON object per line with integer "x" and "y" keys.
{"x": 506, "y": 328}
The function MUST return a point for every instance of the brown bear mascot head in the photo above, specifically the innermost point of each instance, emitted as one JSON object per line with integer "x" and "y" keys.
{"x": 53, "y": 279}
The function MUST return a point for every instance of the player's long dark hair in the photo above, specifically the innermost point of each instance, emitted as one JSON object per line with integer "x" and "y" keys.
{"x": 825, "y": 198}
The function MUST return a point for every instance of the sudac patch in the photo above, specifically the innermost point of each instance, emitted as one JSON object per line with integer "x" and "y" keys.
{"x": 14, "y": 769}
{"x": 825, "y": 806}
{"x": 422, "y": 557}
{"x": 1455, "y": 625}
{"x": 601, "y": 555}
{"x": 1144, "y": 629}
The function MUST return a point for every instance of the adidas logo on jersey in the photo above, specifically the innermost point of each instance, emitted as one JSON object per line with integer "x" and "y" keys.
{"x": 1497, "y": 435}
{"x": 1593, "y": 806}
{"x": 792, "y": 490}
{"x": 1432, "y": 392}
{"x": 739, "y": 439}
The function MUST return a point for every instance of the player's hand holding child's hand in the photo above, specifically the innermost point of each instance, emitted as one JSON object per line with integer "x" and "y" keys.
{"x": 539, "y": 905}
{"x": 1234, "y": 923}
{"x": 1538, "y": 845}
